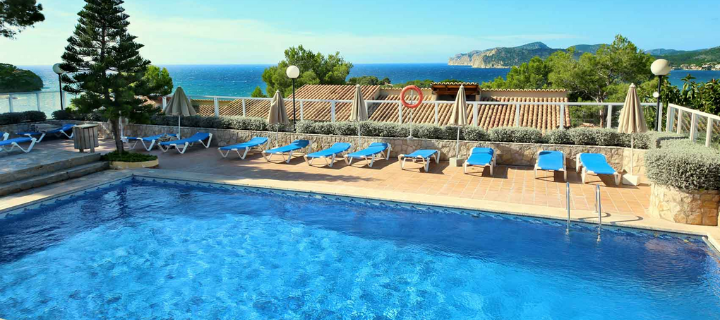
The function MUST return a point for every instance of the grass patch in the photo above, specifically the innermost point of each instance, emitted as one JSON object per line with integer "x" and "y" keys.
{"x": 128, "y": 157}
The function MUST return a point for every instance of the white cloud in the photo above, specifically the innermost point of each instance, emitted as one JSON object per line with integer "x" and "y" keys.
{"x": 174, "y": 40}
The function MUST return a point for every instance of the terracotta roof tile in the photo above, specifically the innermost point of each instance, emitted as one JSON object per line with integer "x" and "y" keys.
{"x": 315, "y": 111}
{"x": 543, "y": 117}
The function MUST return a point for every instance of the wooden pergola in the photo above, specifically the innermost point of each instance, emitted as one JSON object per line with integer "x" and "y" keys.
{"x": 451, "y": 88}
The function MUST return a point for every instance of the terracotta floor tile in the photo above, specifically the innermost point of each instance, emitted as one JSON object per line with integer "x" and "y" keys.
{"x": 511, "y": 184}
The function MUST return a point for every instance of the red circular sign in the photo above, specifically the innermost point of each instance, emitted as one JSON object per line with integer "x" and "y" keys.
{"x": 407, "y": 104}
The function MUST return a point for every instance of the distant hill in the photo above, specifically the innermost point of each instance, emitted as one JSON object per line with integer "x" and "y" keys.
{"x": 505, "y": 57}
{"x": 696, "y": 57}
{"x": 662, "y": 52}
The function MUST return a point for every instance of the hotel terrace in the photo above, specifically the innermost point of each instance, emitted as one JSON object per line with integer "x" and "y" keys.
{"x": 383, "y": 105}
{"x": 203, "y": 207}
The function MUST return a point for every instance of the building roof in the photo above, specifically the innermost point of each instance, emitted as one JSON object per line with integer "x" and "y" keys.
{"x": 542, "y": 117}
{"x": 451, "y": 88}
{"x": 315, "y": 111}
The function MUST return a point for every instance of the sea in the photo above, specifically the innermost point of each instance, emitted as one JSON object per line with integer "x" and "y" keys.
{"x": 241, "y": 80}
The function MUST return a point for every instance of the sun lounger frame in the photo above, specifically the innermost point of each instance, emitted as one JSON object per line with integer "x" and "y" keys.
{"x": 14, "y": 145}
{"x": 382, "y": 154}
{"x": 491, "y": 164}
{"x": 537, "y": 164}
{"x": 186, "y": 144}
{"x": 268, "y": 156}
{"x": 579, "y": 166}
{"x": 247, "y": 149}
{"x": 425, "y": 160}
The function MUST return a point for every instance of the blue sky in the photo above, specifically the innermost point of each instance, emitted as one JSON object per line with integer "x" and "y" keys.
{"x": 255, "y": 32}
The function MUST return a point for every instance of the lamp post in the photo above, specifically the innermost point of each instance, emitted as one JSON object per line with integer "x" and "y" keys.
{"x": 59, "y": 71}
{"x": 293, "y": 72}
{"x": 660, "y": 68}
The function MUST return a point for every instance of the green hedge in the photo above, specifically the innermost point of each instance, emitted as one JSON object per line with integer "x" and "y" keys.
{"x": 576, "y": 136}
{"x": 684, "y": 165}
{"x": 128, "y": 157}
{"x": 19, "y": 117}
{"x": 68, "y": 114}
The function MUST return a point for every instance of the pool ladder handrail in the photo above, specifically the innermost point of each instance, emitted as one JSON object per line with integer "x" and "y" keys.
{"x": 567, "y": 205}
{"x": 598, "y": 207}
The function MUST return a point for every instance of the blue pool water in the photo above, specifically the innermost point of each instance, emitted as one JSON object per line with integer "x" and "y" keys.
{"x": 152, "y": 250}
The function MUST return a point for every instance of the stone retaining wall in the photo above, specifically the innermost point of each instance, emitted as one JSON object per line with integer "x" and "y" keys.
{"x": 689, "y": 207}
{"x": 516, "y": 154}
{"x": 103, "y": 129}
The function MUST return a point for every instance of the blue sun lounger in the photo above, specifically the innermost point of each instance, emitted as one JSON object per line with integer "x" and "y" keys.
{"x": 187, "y": 142}
{"x": 376, "y": 150}
{"x": 59, "y": 132}
{"x": 151, "y": 140}
{"x": 481, "y": 157}
{"x": 256, "y": 142}
{"x": 337, "y": 149}
{"x": 288, "y": 149}
{"x": 551, "y": 161}
{"x": 16, "y": 143}
{"x": 425, "y": 156}
{"x": 595, "y": 163}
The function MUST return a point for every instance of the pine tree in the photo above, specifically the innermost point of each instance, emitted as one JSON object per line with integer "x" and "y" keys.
{"x": 104, "y": 66}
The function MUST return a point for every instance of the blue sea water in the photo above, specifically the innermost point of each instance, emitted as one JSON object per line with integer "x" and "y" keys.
{"x": 241, "y": 80}
{"x": 146, "y": 250}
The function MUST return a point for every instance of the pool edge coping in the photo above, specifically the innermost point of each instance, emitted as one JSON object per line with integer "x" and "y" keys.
{"x": 578, "y": 216}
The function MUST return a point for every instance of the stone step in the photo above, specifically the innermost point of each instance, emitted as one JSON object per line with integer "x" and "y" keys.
{"x": 46, "y": 178}
{"x": 36, "y": 163}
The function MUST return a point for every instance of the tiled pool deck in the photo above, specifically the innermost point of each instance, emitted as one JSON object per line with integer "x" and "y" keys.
{"x": 513, "y": 189}
{"x": 509, "y": 185}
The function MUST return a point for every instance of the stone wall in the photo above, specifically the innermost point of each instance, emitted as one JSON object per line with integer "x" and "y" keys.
{"x": 516, "y": 154}
{"x": 18, "y": 127}
{"x": 689, "y": 207}
{"x": 103, "y": 131}
{"x": 637, "y": 163}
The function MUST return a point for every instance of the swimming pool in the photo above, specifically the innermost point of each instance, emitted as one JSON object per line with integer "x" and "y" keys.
{"x": 159, "y": 250}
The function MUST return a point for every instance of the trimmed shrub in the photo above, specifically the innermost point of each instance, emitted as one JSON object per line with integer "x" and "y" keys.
{"x": 684, "y": 165}
{"x": 515, "y": 134}
{"x": 346, "y": 128}
{"x": 473, "y": 133}
{"x": 192, "y": 121}
{"x": 61, "y": 115}
{"x": 11, "y": 118}
{"x": 450, "y": 133}
{"x": 558, "y": 137}
{"x": 656, "y": 139}
{"x": 305, "y": 126}
{"x": 427, "y": 131}
{"x": 326, "y": 128}
{"x": 641, "y": 140}
{"x": 594, "y": 136}
{"x": 128, "y": 157}
{"x": 34, "y": 116}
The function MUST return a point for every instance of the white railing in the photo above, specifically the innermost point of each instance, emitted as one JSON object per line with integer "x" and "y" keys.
{"x": 611, "y": 107}
{"x": 45, "y": 101}
{"x": 680, "y": 118}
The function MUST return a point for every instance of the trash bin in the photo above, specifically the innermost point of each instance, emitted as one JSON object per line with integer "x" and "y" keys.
{"x": 86, "y": 137}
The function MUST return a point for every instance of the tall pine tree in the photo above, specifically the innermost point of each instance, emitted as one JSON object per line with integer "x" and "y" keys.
{"x": 104, "y": 66}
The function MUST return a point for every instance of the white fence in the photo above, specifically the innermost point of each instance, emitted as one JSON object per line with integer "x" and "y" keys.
{"x": 699, "y": 126}
{"x": 45, "y": 101}
{"x": 612, "y": 108}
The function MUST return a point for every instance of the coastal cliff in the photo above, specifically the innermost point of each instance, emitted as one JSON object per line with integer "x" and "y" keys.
{"x": 506, "y": 57}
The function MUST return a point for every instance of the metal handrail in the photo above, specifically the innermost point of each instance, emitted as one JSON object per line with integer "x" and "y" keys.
{"x": 598, "y": 206}
{"x": 567, "y": 206}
